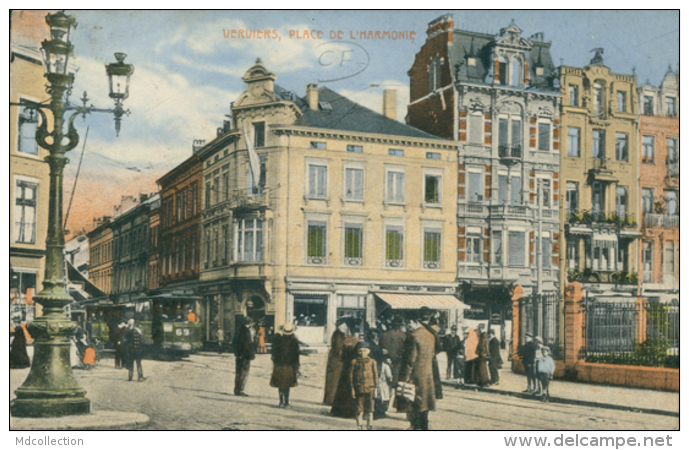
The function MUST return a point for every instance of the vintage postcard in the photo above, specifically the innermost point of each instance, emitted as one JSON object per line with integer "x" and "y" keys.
{"x": 345, "y": 220}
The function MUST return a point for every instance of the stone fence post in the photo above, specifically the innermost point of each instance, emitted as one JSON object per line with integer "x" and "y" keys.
{"x": 575, "y": 316}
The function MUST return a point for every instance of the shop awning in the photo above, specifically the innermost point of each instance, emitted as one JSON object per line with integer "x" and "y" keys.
{"x": 416, "y": 301}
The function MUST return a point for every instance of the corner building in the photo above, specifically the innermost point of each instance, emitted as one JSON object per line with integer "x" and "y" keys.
{"x": 496, "y": 96}
{"x": 353, "y": 213}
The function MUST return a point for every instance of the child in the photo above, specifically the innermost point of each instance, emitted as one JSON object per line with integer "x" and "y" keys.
{"x": 364, "y": 376}
{"x": 545, "y": 367}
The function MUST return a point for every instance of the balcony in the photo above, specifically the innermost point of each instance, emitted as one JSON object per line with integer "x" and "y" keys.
{"x": 241, "y": 200}
{"x": 509, "y": 210}
{"x": 591, "y": 217}
{"x": 602, "y": 170}
{"x": 661, "y": 220}
{"x": 510, "y": 154}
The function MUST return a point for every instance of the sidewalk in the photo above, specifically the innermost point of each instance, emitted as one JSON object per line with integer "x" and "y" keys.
{"x": 583, "y": 394}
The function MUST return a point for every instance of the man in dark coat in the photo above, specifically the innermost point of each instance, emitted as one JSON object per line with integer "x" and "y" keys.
{"x": 344, "y": 405}
{"x": 244, "y": 353}
{"x": 428, "y": 320}
{"x": 132, "y": 343}
{"x": 285, "y": 356}
{"x": 417, "y": 369}
{"x": 494, "y": 358}
{"x": 482, "y": 360}
{"x": 528, "y": 354}
{"x": 117, "y": 336}
{"x": 19, "y": 358}
{"x": 334, "y": 367}
{"x": 451, "y": 345}
{"x": 393, "y": 341}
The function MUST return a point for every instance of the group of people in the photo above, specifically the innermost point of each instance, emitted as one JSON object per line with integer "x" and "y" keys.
{"x": 474, "y": 357}
{"x": 538, "y": 365}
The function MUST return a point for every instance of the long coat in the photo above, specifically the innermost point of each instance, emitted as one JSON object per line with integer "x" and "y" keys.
{"x": 494, "y": 353}
{"x": 285, "y": 356}
{"x": 393, "y": 342}
{"x": 482, "y": 352}
{"x": 334, "y": 367}
{"x": 364, "y": 375}
{"x": 417, "y": 368}
{"x": 436, "y": 368}
{"x": 243, "y": 347}
{"x": 19, "y": 358}
{"x": 344, "y": 404}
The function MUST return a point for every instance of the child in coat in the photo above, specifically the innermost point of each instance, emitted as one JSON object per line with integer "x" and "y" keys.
{"x": 364, "y": 380}
{"x": 545, "y": 367}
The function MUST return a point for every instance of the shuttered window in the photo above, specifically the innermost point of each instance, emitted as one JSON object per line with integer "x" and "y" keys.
{"x": 517, "y": 248}
{"x": 476, "y": 129}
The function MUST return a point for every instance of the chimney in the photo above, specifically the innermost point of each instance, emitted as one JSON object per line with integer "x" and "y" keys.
{"x": 312, "y": 95}
{"x": 197, "y": 145}
{"x": 390, "y": 103}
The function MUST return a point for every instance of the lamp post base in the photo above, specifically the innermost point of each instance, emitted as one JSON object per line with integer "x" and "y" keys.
{"x": 50, "y": 407}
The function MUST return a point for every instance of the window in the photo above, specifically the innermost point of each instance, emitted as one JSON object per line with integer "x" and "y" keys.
{"x": 669, "y": 259}
{"x": 517, "y": 248}
{"x": 432, "y": 189}
{"x": 647, "y": 262}
{"x": 516, "y": 135}
{"x": 503, "y": 133}
{"x": 355, "y": 148}
{"x": 573, "y": 142}
{"x": 647, "y": 200}
{"x": 671, "y": 106}
{"x": 475, "y": 187}
{"x": 353, "y": 242}
{"x": 598, "y": 148}
{"x": 648, "y": 105}
{"x": 476, "y": 129}
{"x": 434, "y": 74}
{"x": 672, "y": 203}
{"x": 316, "y": 243}
{"x": 502, "y": 71}
{"x": 573, "y": 255}
{"x": 395, "y": 187}
{"x": 177, "y": 256}
{"x": 544, "y": 137}
{"x": 253, "y": 188}
{"x": 516, "y": 72}
{"x": 28, "y": 122}
{"x": 546, "y": 192}
{"x": 432, "y": 155}
{"x": 354, "y": 184}
{"x": 597, "y": 101}
{"x": 226, "y": 185}
{"x": 194, "y": 194}
{"x": 621, "y": 201}
{"x": 431, "y": 248}
{"x": 572, "y": 197}
{"x": 259, "y": 134}
{"x": 621, "y": 101}
{"x": 179, "y": 206}
{"x": 249, "y": 240}
{"x": 648, "y": 149}
{"x": 573, "y": 95}
{"x": 394, "y": 246}
{"x": 224, "y": 248}
{"x": 597, "y": 200}
{"x": 193, "y": 252}
{"x": 497, "y": 247}
{"x": 473, "y": 249}
{"x": 317, "y": 181}
{"x": 604, "y": 254}
{"x": 395, "y": 152}
{"x": 546, "y": 250}
{"x": 672, "y": 154}
{"x": 25, "y": 194}
{"x": 621, "y": 147}
{"x": 317, "y": 145}
{"x": 503, "y": 194}
{"x": 515, "y": 191}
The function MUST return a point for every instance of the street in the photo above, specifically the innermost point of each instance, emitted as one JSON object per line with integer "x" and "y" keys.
{"x": 197, "y": 394}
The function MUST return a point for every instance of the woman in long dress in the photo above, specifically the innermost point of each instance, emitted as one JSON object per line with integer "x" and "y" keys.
{"x": 334, "y": 367}
{"x": 19, "y": 358}
{"x": 285, "y": 356}
{"x": 344, "y": 405}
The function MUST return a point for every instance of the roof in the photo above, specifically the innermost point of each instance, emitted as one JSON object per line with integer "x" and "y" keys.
{"x": 336, "y": 112}
{"x": 417, "y": 301}
{"x": 74, "y": 276}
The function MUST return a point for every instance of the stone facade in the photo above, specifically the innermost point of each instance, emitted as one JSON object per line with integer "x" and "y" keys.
{"x": 100, "y": 267}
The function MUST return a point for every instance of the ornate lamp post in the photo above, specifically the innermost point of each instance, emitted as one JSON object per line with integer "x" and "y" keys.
{"x": 50, "y": 389}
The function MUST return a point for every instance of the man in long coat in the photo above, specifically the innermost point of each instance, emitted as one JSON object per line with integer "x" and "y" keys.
{"x": 344, "y": 404}
{"x": 451, "y": 345}
{"x": 285, "y": 356}
{"x": 482, "y": 360}
{"x": 494, "y": 358}
{"x": 244, "y": 353}
{"x": 334, "y": 367}
{"x": 528, "y": 354}
{"x": 393, "y": 341}
{"x": 417, "y": 369}
{"x": 471, "y": 357}
{"x": 428, "y": 317}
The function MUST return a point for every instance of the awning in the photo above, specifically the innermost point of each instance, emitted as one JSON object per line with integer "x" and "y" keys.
{"x": 416, "y": 301}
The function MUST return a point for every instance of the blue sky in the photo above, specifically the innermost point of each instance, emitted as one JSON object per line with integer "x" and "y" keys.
{"x": 187, "y": 72}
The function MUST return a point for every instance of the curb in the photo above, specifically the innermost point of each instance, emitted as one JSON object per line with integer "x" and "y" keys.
{"x": 98, "y": 420}
{"x": 565, "y": 401}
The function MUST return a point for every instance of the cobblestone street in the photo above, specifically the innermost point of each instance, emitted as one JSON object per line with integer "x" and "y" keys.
{"x": 197, "y": 394}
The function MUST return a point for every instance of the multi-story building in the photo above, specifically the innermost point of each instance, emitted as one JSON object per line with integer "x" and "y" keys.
{"x": 77, "y": 253}
{"x": 100, "y": 258}
{"x": 659, "y": 185}
{"x": 130, "y": 232}
{"x": 180, "y": 227}
{"x": 29, "y": 174}
{"x": 349, "y": 212}
{"x": 599, "y": 177}
{"x": 153, "y": 278}
{"x": 496, "y": 96}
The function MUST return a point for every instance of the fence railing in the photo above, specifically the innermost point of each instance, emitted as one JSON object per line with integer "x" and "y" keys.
{"x": 661, "y": 220}
{"x": 539, "y": 315}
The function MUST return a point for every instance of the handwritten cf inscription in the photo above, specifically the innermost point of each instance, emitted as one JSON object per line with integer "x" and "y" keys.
{"x": 342, "y": 60}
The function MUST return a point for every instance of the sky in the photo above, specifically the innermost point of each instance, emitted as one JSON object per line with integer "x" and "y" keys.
{"x": 189, "y": 64}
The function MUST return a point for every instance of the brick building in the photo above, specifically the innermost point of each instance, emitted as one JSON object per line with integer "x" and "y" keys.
{"x": 100, "y": 258}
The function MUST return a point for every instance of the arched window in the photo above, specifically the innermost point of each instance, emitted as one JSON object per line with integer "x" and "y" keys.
{"x": 516, "y": 72}
{"x": 598, "y": 100}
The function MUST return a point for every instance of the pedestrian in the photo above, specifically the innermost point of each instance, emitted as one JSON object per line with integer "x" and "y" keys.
{"x": 482, "y": 373}
{"x": 363, "y": 376}
{"x": 334, "y": 366}
{"x": 385, "y": 379}
{"x": 494, "y": 358}
{"x": 285, "y": 356}
{"x": 417, "y": 369}
{"x": 460, "y": 361}
{"x": 528, "y": 355}
{"x": 545, "y": 367}
{"x": 451, "y": 344}
{"x": 429, "y": 319}
{"x": 343, "y": 403}
{"x": 117, "y": 336}
{"x": 470, "y": 355}
{"x": 19, "y": 358}
{"x": 393, "y": 341}
{"x": 261, "y": 333}
{"x": 132, "y": 343}
{"x": 244, "y": 354}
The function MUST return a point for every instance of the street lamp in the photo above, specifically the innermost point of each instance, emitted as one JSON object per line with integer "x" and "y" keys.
{"x": 50, "y": 389}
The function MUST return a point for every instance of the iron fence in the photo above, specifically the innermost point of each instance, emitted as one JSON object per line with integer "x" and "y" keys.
{"x": 539, "y": 316}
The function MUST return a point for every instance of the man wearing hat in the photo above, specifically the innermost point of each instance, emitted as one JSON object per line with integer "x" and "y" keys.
{"x": 244, "y": 353}
{"x": 429, "y": 321}
{"x": 285, "y": 356}
{"x": 451, "y": 345}
{"x": 528, "y": 353}
{"x": 393, "y": 341}
{"x": 494, "y": 358}
{"x": 132, "y": 342}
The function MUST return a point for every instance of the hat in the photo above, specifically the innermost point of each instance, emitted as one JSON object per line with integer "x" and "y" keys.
{"x": 539, "y": 339}
{"x": 453, "y": 328}
{"x": 491, "y": 331}
{"x": 529, "y": 335}
{"x": 425, "y": 312}
{"x": 288, "y": 329}
{"x": 362, "y": 344}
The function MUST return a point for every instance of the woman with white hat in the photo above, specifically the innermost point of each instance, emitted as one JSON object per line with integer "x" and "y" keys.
{"x": 285, "y": 356}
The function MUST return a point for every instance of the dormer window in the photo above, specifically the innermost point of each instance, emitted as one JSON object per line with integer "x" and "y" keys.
{"x": 434, "y": 74}
{"x": 471, "y": 61}
{"x": 516, "y": 72}
{"x": 539, "y": 71}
